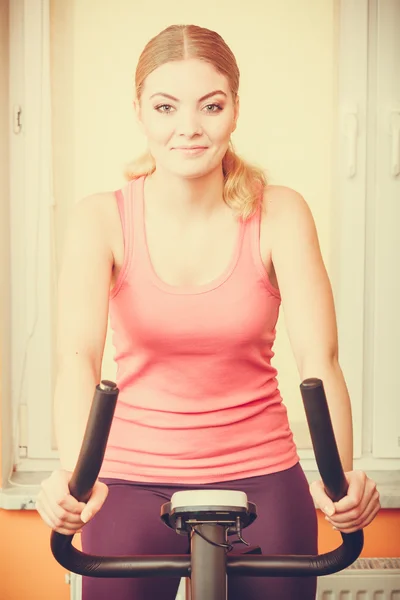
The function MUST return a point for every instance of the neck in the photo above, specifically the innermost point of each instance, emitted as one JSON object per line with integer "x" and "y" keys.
{"x": 186, "y": 197}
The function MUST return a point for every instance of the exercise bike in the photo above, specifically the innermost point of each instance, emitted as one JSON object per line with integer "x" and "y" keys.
{"x": 208, "y": 517}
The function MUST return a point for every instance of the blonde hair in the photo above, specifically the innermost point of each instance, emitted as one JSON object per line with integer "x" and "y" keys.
{"x": 243, "y": 183}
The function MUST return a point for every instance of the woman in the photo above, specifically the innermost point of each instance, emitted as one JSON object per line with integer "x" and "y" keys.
{"x": 192, "y": 259}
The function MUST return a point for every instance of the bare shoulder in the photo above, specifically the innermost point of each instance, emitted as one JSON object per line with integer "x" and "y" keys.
{"x": 285, "y": 210}
{"x": 283, "y": 202}
{"x": 98, "y": 215}
{"x": 98, "y": 207}
{"x": 94, "y": 232}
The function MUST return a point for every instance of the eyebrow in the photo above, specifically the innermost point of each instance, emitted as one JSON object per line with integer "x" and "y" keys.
{"x": 214, "y": 93}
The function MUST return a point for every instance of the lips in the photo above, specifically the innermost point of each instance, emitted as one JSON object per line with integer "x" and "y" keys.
{"x": 190, "y": 151}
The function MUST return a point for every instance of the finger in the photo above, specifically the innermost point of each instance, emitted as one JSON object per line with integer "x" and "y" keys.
{"x": 45, "y": 511}
{"x": 366, "y": 520}
{"x": 62, "y": 504}
{"x": 51, "y": 525}
{"x": 59, "y": 519}
{"x": 95, "y": 502}
{"x": 63, "y": 515}
{"x": 357, "y": 481}
{"x": 371, "y": 495}
{"x": 64, "y": 531}
{"x": 70, "y": 504}
{"x": 43, "y": 515}
{"x": 359, "y": 520}
{"x": 321, "y": 498}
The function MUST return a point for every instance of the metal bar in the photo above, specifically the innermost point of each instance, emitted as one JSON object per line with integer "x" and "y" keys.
{"x": 208, "y": 572}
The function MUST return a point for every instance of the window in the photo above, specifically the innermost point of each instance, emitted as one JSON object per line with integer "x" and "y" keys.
{"x": 364, "y": 244}
{"x": 32, "y": 245}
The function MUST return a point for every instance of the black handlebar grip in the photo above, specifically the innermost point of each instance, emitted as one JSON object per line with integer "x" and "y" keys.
{"x": 94, "y": 441}
{"x": 323, "y": 438}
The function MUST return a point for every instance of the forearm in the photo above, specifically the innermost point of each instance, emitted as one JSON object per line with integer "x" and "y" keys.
{"x": 74, "y": 390}
{"x": 339, "y": 405}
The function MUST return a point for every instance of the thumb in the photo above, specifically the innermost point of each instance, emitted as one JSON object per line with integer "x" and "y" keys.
{"x": 321, "y": 498}
{"x": 95, "y": 502}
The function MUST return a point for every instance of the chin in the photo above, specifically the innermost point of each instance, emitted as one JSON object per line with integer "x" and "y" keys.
{"x": 191, "y": 170}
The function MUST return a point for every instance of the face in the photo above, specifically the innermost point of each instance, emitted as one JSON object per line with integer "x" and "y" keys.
{"x": 188, "y": 114}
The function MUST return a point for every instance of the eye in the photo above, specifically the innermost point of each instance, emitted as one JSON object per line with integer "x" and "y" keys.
{"x": 164, "y": 108}
{"x": 213, "y": 108}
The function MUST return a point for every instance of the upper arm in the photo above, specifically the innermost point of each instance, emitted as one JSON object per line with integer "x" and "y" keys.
{"x": 84, "y": 283}
{"x": 306, "y": 292}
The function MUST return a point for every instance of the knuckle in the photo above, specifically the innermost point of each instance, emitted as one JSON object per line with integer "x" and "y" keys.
{"x": 62, "y": 503}
{"x": 77, "y": 510}
{"x": 358, "y": 501}
{"x": 352, "y": 504}
{"x": 354, "y": 515}
{"x": 358, "y": 522}
{"x": 357, "y": 496}
{"x": 62, "y": 514}
{"x": 58, "y": 523}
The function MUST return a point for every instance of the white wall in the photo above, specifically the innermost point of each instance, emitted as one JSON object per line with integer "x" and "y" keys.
{"x": 287, "y": 56}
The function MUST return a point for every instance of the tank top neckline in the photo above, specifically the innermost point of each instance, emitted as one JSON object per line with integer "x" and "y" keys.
{"x": 140, "y": 227}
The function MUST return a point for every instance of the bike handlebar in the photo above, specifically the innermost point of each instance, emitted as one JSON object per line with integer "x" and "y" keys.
{"x": 88, "y": 467}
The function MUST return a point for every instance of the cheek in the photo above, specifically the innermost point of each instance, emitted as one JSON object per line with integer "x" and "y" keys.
{"x": 156, "y": 127}
{"x": 219, "y": 130}
{"x": 158, "y": 131}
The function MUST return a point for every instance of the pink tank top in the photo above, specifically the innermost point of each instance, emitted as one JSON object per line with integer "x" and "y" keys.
{"x": 199, "y": 399}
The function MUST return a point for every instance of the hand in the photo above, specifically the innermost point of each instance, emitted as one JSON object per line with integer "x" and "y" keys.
{"x": 61, "y": 511}
{"x": 356, "y": 510}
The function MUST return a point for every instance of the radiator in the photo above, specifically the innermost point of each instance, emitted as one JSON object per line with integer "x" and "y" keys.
{"x": 366, "y": 579}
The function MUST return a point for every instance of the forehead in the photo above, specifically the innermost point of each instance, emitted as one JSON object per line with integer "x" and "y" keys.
{"x": 191, "y": 78}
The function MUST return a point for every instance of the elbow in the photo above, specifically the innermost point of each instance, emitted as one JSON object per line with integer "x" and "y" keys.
{"x": 318, "y": 365}
{"x": 78, "y": 361}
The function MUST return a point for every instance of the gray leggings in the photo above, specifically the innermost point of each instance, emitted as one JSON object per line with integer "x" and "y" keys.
{"x": 129, "y": 523}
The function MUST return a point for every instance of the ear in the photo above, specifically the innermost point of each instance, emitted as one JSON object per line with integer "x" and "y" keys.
{"x": 137, "y": 109}
{"x": 236, "y": 115}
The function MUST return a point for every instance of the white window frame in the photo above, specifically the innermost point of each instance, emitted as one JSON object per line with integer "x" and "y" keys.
{"x": 33, "y": 285}
{"x": 349, "y": 209}
{"x": 31, "y": 226}
{"x": 385, "y": 288}
{"x": 359, "y": 168}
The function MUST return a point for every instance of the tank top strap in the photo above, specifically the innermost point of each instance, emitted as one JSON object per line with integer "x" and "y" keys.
{"x": 124, "y": 198}
{"x": 137, "y": 202}
{"x": 253, "y": 249}
{"x": 251, "y": 239}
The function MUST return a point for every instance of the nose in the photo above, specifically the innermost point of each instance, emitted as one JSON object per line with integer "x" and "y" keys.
{"x": 188, "y": 123}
